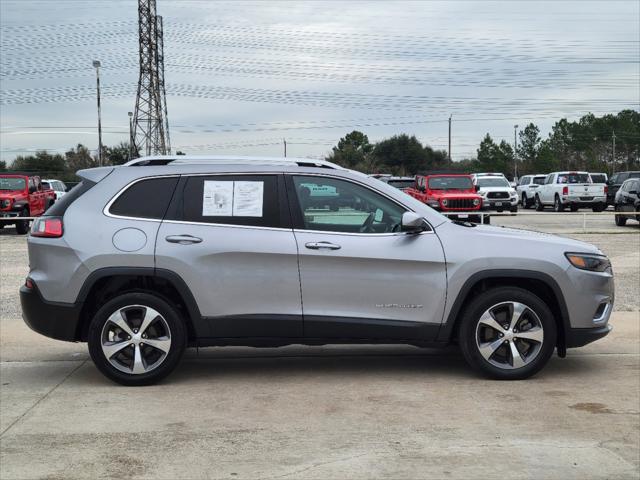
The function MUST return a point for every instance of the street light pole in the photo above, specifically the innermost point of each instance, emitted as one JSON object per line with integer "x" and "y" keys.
{"x": 450, "y": 138}
{"x": 96, "y": 64}
{"x": 515, "y": 150}
{"x": 130, "y": 135}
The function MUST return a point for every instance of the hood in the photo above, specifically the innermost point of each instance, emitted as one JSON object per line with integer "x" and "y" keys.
{"x": 497, "y": 189}
{"x": 453, "y": 193}
{"x": 516, "y": 234}
{"x": 11, "y": 194}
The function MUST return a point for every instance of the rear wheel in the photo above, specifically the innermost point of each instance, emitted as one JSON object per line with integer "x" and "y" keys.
{"x": 22, "y": 226}
{"x": 538, "y": 203}
{"x": 136, "y": 339}
{"x": 573, "y": 208}
{"x": 557, "y": 205}
{"x": 507, "y": 333}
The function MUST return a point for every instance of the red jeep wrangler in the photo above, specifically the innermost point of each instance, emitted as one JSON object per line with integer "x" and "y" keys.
{"x": 449, "y": 193}
{"x": 22, "y": 195}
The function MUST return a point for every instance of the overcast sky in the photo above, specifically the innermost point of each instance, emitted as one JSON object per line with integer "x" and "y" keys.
{"x": 243, "y": 75}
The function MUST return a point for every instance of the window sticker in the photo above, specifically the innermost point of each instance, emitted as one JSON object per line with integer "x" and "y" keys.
{"x": 247, "y": 199}
{"x": 232, "y": 198}
{"x": 217, "y": 199}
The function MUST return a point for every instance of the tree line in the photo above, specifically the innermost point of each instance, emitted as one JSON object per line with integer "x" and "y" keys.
{"x": 587, "y": 144}
{"x": 64, "y": 166}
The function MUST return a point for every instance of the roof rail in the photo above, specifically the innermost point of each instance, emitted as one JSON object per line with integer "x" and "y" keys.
{"x": 228, "y": 160}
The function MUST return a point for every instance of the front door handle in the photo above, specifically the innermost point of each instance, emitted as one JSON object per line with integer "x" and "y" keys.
{"x": 183, "y": 239}
{"x": 321, "y": 245}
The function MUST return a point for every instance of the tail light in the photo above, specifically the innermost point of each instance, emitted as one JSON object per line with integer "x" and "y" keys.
{"x": 565, "y": 190}
{"x": 606, "y": 189}
{"x": 50, "y": 227}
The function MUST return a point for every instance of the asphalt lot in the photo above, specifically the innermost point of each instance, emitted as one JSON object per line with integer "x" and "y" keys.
{"x": 327, "y": 412}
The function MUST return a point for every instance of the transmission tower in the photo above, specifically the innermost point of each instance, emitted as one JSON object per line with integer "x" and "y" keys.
{"x": 150, "y": 121}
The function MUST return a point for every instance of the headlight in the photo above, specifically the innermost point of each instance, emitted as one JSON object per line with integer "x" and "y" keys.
{"x": 5, "y": 203}
{"x": 589, "y": 261}
{"x": 476, "y": 202}
{"x": 445, "y": 202}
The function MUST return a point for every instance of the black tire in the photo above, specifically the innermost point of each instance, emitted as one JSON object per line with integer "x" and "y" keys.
{"x": 621, "y": 220}
{"x": 538, "y": 203}
{"x": 487, "y": 220}
{"x": 599, "y": 208}
{"x": 176, "y": 334}
{"x": 22, "y": 226}
{"x": 525, "y": 201}
{"x": 469, "y": 324}
{"x": 514, "y": 209}
{"x": 557, "y": 205}
{"x": 573, "y": 208}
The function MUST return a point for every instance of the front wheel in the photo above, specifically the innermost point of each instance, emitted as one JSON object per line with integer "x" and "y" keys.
{"x": 599, "y": 208}
{"x": 136, "y": 339}
{"x": 525, "y": 201}
{"x": 621, "y": 220}
{"x": 507, "y": 333}
{"x": 22, "y": 226}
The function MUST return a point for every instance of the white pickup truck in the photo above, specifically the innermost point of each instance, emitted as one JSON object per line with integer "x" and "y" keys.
{"x": 571, "y": 189}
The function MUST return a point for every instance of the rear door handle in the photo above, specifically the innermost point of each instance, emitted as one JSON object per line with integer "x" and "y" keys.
{"x": 321, "y": 245}
{"x": 183, "y": 239}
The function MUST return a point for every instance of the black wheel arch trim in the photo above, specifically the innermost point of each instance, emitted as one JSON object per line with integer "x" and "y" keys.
{"x": 200, "y": 326}
{"x": 447, "y": 329}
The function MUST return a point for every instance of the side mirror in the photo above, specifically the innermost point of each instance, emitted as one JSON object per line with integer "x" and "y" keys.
{"x": 412, "y": 222}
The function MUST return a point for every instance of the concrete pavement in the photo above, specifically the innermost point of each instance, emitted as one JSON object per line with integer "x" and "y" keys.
{"x": 321, "y": 412}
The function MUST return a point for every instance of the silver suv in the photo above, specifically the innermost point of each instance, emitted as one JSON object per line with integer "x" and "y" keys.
{"x": 146, "y": 259}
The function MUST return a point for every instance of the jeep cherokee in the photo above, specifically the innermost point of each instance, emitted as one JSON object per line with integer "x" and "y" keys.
{"x": 146, "y": 259}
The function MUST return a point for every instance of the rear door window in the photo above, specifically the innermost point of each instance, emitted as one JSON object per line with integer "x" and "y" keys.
{"x": 249, "y": 200}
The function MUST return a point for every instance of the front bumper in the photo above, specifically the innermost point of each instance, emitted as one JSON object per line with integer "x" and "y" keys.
{"x": 578, "y": 337}
{"x": 52, "y": 319}
{"x": 499, "y": 204}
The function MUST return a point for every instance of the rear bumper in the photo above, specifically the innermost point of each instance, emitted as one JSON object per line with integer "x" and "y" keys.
{"x": 54, "y": 320}
{"x": 578, "y": 337}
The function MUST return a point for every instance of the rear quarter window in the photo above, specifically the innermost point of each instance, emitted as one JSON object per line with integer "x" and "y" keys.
{"x": 148, "y": 198}
{"x": 60, "y": 206}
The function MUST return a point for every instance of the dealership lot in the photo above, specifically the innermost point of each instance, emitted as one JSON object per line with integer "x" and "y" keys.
{"x": 328, "y": 412}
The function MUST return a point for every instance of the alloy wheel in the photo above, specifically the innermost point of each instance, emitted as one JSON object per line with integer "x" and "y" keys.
{"x": 135, "y": 339}
{"x": 509, "y": 335}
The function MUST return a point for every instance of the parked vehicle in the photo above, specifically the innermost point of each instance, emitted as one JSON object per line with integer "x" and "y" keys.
{"x": 527, "y": 187}
{"x": 628, "y": 200}
{"x": 599, "y": 177}
{"x": 496, "y": 192}
{"x": 57, "y": 186}
{"x": 401, "y": 183}
{"x": 189, "y": 251}
{"x": 570, "y": 189}
{"x": 449, "y": 193}
{"x": 616, "y": 181}
{"x": 22, "y": 196}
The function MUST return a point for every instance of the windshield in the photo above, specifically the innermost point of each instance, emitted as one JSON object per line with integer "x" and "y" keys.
{"x": 539, "y": 180}
{"x": 492, "y": 182}
{"x": 401, "y": 183}
{"x": 450, "y": 183}
{"x": 574, "y": 178}
{"x": 11, "y": 183}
